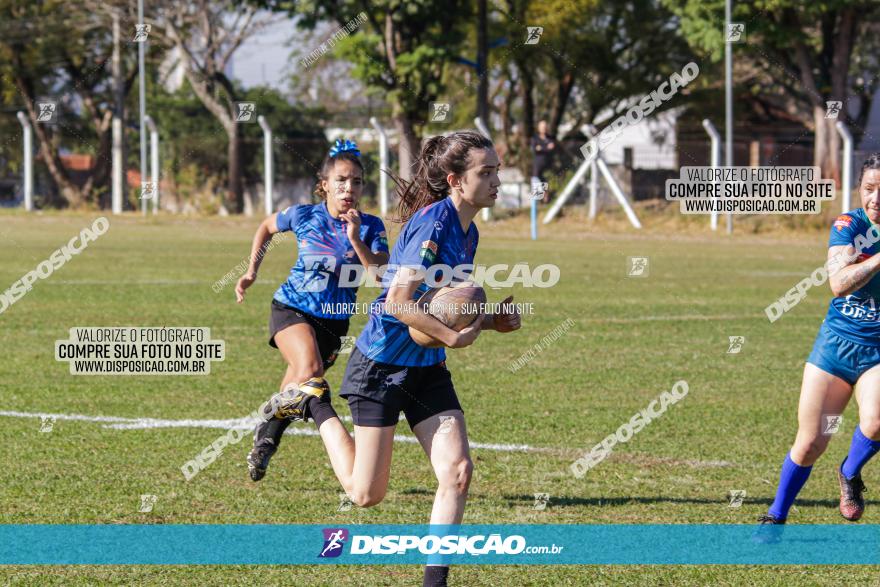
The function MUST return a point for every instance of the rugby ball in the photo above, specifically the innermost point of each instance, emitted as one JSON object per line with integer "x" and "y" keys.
{"x": 456, "y": 305}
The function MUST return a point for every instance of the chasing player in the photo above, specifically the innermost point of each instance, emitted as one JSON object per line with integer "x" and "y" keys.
{"x": 306, "y": 323}
{"x": 846, "y": 352}
{"x": 388, "y": 373}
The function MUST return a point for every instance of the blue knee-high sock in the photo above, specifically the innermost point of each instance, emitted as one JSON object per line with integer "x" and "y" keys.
{"x": 861, "y": 450}
{"x": 791, "y": 480}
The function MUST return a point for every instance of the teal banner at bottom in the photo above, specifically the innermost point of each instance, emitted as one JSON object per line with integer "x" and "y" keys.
{"x": 490, "y": 544}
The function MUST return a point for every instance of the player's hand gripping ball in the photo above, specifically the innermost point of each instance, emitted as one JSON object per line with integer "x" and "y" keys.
{"x": 457, "y": 306}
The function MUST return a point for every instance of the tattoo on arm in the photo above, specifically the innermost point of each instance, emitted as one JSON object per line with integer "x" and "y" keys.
{"x": 857, "y": 278}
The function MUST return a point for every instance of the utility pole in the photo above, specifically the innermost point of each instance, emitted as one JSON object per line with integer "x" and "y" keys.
{"x": 728, "y": 98}
{"x": 483, "y": 64}
{"x": 143, "y": 107}
{"x": 118, "y": 86}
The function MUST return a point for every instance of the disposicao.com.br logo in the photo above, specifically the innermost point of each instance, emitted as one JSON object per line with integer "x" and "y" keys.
{"x": 430, "y": 544}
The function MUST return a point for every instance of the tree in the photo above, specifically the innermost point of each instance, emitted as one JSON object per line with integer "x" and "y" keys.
{"x": 592, "y": 61}
{"x": 807, "y": 49}
{"x": 189, "y": 135}
{"x": 205, "y": 35}
{"x": 400, "y": 51}
{"x": 46, "y": 53}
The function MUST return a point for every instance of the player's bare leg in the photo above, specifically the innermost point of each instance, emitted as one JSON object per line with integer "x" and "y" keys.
{"x": 444, "y": 439}
{"x": 300, "y": 350}
{"x": 362, "y": 464}
{"x": 822, "y": 394}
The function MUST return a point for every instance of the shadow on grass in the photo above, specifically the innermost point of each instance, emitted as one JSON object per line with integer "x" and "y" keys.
{"x": 562, "y": 501}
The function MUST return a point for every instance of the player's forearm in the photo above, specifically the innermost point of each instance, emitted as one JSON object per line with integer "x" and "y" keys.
{"x": 412, "y": 315}
{"x": 367, "y": 256}
{"x": 258, "y": 248}
{"x": 854, "y": 277}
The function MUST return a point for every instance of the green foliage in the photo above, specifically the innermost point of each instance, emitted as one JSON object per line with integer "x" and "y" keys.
{"x": 427, "y": 36}
{"x": 194, "y": 143}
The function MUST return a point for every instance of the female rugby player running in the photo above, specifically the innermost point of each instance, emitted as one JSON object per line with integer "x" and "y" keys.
{"x": 306, "y": 322}
{"x": 846, "y": 352}
{"x": 388, "y": 372}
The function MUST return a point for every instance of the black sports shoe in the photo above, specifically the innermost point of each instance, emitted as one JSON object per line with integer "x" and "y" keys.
{"x": 769, "y": 530}
{"x": 286, "y": 406}
{"x": 267, "y": 437}
{"x": 293, "y": 401}
{"x": 852, "y": 502}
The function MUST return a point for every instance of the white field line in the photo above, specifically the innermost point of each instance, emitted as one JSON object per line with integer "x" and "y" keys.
{"x": 117, "y": 423}
{"x": 141, "y": 282}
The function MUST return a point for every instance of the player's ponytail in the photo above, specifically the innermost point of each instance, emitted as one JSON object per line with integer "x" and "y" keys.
{"x": 440, "y": 156}
{"x": 872, "y": 162}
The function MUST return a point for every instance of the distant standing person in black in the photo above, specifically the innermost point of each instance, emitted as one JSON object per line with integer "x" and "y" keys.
{"x": 543, "y": 148}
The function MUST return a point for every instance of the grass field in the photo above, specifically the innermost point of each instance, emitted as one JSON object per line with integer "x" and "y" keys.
{"x": 632, "y": 339}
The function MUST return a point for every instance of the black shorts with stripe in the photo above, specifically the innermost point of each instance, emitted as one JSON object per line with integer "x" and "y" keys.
{"x": 378, "y": 392}
{"x": 328, "y": 331}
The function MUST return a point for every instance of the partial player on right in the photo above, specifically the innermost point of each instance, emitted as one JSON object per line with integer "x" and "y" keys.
{"x": 846, "y": 356}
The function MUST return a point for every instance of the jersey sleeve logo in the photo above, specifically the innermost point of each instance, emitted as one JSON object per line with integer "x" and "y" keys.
{"x": 843, "y": 221}
{"x": 428, "y": 251}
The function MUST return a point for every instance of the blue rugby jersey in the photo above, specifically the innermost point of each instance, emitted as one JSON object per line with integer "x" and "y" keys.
{"x": 433, "y": 236}
{"x": 856, "y": 317}
{"x": 323, "y": 247}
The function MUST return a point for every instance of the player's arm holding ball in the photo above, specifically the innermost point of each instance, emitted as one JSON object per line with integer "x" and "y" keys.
{"x": 400, "y": 304}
